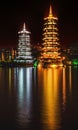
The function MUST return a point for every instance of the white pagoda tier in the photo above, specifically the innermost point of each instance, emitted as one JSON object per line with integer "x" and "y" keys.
{"x": 50, "y": 42}
{"x": 24, "y": 46}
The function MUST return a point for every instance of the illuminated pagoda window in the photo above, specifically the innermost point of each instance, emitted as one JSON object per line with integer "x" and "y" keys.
{"x": 50, "y": 44}
{"x": 24, "y": 46}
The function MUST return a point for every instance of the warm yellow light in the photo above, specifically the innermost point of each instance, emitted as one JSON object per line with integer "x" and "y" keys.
{"x": 39, "y": 65}
{"x": 63, "y": 58}
{"x": 53, "y": 65}
{"x": 50, "y": 39}
{"x": 49, "y": 79}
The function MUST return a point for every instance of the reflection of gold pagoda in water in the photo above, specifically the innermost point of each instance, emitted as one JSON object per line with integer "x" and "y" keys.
{"x": 51, "y": 82}
{"x": 50, "y": 47}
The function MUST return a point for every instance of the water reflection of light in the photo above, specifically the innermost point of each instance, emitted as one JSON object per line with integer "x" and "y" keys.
{"x": 35, "y": 76}
{"x": 64, "y": 87}
{"x": 28, "y": 82}
{"x": 24, "y": 82}
{"x": 51, "y": 110}
{"x": 70, "y": 79}
{"x": 1, "y": 76}
{"x": 21, "y": 83}
{"x": 10, "y": 79}
{"x": 67, "y": 85}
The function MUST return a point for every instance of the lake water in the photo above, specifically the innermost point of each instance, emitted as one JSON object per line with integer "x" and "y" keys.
{"x": 39, "y": 98}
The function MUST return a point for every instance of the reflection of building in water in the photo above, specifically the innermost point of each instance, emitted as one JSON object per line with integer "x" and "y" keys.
{"x": 24, "y": 95}
{"x": 50, "y": 97}
{"x": 67, "y": 85}
{"x": 64, "y": 88}
{"x": 70, "y": 80}
{"x": 10, "y": 79}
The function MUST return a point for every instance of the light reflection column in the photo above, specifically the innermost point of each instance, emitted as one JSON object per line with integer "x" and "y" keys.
{"x": 67, "y": 85}
{"x": 64, "y": 87}
{"x": 24, "y": 82}
{"x": 20, "y": 84}
{"x": 51, "y": 107}
{"x": 70, "y": 80}
{"x": 28, "y": 83}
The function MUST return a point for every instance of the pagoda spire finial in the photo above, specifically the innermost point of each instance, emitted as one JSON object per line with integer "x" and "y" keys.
{"x": 24, "y": 26}
{"x": 50, "y": 11}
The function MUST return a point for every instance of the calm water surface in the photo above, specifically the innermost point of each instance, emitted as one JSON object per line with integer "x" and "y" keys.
{"x": 39, "y": 99}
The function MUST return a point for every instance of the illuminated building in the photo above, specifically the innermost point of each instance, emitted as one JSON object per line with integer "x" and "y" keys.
{"x": 13, "y": 53}
{"x": 50, "y": 46}
{"x": 24, "y": 46}
{"x": 7, "y": 55}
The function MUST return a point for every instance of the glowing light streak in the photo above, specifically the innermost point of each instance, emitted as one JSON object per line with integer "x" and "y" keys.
{"x": 64, "y": 88}
{"x": 50, "y": 98}
{"x": 70, "y": 80}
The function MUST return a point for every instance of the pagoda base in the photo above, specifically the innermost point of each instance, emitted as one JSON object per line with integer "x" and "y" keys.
{"x": 51, "y": 63}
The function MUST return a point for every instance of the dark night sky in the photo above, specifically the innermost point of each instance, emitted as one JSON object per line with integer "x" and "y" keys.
{"x": 14, "y": 14}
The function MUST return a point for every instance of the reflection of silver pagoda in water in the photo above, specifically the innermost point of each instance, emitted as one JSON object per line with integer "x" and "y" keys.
{"x": 50, "y": 46}
{"x": 24, "y": 46}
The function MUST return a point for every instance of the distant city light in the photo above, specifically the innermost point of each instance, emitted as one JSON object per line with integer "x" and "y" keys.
{"x": 75, "y": 61}
{"x": 36, "y": 63}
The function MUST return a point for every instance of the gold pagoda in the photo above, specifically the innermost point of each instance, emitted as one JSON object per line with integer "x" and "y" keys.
{"x": 50, "y": 52}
